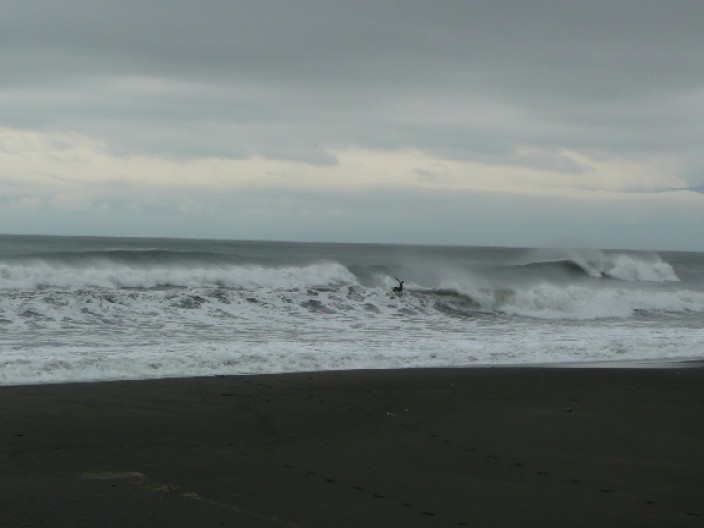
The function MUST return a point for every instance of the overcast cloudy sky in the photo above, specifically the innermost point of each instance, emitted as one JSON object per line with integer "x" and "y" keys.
{"x": 520, "y": 123}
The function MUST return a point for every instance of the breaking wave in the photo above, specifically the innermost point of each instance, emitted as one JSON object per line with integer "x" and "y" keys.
{"x": 596, "y": 264}
{"x": 83, "y": 309}
{"x": 46, "y": 274}
{"x": 293, "y": 293}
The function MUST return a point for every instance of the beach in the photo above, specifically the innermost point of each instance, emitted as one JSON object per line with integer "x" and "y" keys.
{"x": 417, "y": 447}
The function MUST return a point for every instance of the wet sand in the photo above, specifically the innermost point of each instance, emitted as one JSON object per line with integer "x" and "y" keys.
{"x": 502, "y": 447}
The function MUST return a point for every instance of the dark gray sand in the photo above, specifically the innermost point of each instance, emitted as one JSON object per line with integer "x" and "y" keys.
{"x": 496, "y": 447}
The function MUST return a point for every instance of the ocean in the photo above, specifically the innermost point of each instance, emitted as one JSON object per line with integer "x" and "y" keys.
{"x": 90, "y": 309}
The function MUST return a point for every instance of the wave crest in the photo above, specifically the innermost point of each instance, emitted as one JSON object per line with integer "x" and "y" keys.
{"x": 46, "y": 275}
{"x": 628, "y": 268}
{"x": 597, "y": 264}
{"x": 555, "y": 302}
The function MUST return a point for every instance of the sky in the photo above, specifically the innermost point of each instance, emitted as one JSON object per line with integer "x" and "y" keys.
{"x": 523, "y": 123}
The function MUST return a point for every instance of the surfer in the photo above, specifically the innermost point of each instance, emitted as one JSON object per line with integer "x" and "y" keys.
{"x": 399, "y": 288}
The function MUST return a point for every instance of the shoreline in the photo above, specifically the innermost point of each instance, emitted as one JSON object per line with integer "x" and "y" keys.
{"x": 634, "y": 364}
{"x": 497, "y": 446}
{"x": 595, "y": 364}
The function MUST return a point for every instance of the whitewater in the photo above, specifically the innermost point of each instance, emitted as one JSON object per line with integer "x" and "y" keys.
{"x": 91, "y": 309}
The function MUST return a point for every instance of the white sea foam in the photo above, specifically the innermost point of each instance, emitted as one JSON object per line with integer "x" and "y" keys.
{"x": 553, "y": 301}
{"x": 580, "y": 303}
{"x": 640, "y": 267}
{"x": 514, "y": 345}
{"x": 96, "y": 334}
{"x": 628, "y": 268}
{"x": 84, "y": 312}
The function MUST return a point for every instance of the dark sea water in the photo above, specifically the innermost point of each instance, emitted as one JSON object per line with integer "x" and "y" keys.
{"x": 83, "y": 309}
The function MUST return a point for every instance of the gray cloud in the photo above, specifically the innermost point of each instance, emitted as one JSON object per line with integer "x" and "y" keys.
{"x": 479, "y": 81}
{"x": 597, "y": 75}
{"x": 574, "y": 49}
